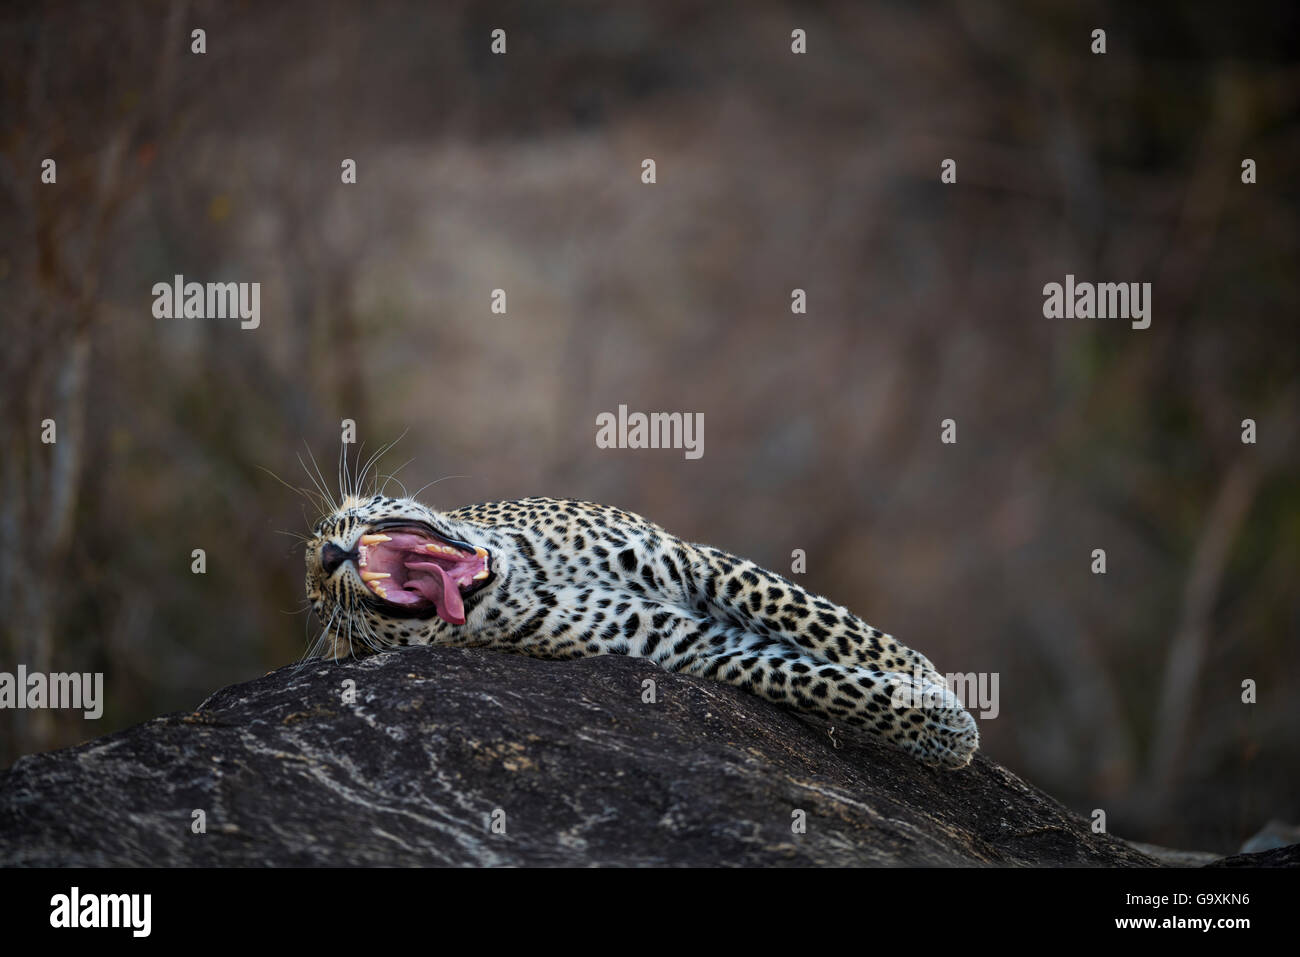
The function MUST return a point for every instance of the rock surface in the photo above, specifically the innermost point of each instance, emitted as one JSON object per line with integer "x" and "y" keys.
{"x": 579, "y": 768}
{"x": 1278, "y": 857}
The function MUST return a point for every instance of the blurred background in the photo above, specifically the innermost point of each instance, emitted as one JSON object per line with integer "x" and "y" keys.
{"x": 775, "y": 171}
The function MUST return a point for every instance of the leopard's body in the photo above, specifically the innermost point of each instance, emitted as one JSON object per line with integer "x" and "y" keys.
{"x": 569, "y": 579}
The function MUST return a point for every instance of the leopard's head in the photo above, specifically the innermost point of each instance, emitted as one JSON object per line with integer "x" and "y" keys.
{"x": 380, "y": 567}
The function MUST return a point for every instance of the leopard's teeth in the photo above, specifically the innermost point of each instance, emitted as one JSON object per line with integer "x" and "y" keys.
{"x": 443, "y": 549}
{"x": 379, "y": 590}
{"x": 481, "y": 575}
{"x": 374, "y": 539}
{"x": 480, "y": 551}
{"x": 374, "y": 576}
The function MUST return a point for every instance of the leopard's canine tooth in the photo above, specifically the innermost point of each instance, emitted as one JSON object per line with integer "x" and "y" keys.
{"x": 374, "y": 539}
{"x": 374, "y": 576}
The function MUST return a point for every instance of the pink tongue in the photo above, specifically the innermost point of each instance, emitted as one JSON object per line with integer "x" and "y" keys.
{"x": 439, "y": 589}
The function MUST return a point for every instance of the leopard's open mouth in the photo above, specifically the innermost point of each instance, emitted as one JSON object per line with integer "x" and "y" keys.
{"x": 410, "y": 569}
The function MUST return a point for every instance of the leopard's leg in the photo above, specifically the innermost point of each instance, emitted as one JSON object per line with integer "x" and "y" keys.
{"x": 904, "y": 709}
{"x": 739, "y": 592}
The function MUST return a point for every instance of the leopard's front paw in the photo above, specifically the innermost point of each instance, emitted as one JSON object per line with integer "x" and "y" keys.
{"x": 934, "y": 726}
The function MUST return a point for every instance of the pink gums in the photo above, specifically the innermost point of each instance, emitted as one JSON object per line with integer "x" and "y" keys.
{"x": 419, "y": 575}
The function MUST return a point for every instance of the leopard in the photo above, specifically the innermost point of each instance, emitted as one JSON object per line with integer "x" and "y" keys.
{"x": 564, "y": 579}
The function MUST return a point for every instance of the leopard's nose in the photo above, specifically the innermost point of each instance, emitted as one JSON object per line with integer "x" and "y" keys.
{"x": 331, "y": 557}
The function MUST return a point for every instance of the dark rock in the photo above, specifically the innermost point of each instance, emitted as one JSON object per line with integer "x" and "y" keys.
{"x": 1279, "y": 857}
{"x": 585, "y": 772}
{"x": 1174, "y": 857}
{"x": 1271, "y": 836}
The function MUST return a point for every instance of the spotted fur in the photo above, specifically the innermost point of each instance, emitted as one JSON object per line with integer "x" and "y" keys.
{"x": 574, "y": 580}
